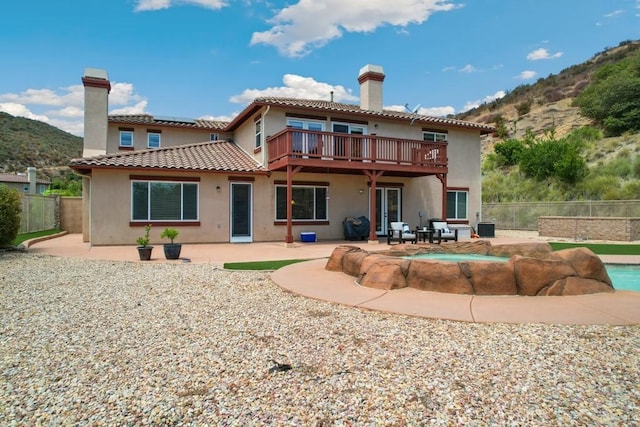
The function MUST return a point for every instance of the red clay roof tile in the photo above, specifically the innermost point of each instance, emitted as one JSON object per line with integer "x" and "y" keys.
{"x": 223, "y": 156}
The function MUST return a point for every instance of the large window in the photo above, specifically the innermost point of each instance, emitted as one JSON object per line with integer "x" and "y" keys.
{"x": 164, "y": 201}
{"x": 457, "y": 206}
{"x": 153, "y": 139}
{"x": 309, "y": 203}
{"x": 126, "y": 138}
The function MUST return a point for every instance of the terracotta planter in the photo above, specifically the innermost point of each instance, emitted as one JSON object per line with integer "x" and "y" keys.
{"x": 144, "y": 252}
{"x": 172, "y": 250}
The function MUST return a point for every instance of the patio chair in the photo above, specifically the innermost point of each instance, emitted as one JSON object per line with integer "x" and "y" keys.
{"x": 400, "y": 232}
{"x": 443, "y": 232}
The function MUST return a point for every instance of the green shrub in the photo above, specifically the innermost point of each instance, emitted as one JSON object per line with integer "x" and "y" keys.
{"x": 10, "y": 208}
{"x": 509, "y": 151}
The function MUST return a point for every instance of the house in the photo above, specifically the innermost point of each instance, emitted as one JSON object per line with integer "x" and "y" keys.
{"x": 25, "y": 183}
{"x": 281, "y": 167}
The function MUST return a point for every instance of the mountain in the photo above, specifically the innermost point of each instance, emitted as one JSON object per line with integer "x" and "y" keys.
{"x": 548, "y": 103}
{"x": 25, "y": 142}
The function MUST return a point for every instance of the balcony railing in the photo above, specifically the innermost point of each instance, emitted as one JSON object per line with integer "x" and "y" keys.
{"x": 313, "y": 145}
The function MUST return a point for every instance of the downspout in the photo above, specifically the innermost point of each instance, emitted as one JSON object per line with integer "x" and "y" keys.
{"x": 264, "y": 135}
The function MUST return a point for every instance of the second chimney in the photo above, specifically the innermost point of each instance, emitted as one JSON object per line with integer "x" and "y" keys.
{"x": 370, "y": 79}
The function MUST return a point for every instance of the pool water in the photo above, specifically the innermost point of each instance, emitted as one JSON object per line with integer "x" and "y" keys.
{"x": 624, "y": 276}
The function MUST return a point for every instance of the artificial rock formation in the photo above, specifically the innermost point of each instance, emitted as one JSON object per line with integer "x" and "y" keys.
{"x": 567, "y": 272}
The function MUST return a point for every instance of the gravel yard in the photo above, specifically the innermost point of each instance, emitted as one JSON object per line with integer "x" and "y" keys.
{"x": 85, "y": 342}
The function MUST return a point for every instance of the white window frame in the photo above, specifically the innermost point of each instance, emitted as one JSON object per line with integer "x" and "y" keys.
{"x": 434, "y": 136}
{"x": 314, "y": 187}
{"x": 151, "y": 182}
{"x": 214, "y": 137}
{"x": 351, "y": 127}
{"x": 258, "y": 133}
{"x": 150, "y": 135}
{"x": 126, "y": 132}
{"x": 459, "y": 216}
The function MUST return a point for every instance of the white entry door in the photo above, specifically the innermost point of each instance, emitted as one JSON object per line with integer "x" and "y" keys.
{"x": 387, "y": 208}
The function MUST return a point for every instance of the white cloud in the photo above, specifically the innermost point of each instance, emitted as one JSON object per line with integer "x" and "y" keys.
{"x": 526, "y": 75}
{"x": 21, "y": 110}
{"x": 474, "y": 104}
{"x": 424, "y": 111}
{"x": 542, "y": 53}
{"x": 138, "y": 108}
{"x": 224, "y": 118}
{"x": 467, "y": 69}
{"x": 64, "y": 107}
{"x": 310, "y": 24}
{"x": 614, "y": 13}
{"x": 144, "y": 5}
{"x": 297, "y": 87}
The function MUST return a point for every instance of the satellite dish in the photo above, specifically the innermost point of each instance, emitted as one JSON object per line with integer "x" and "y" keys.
{"x": 414, "y": 112}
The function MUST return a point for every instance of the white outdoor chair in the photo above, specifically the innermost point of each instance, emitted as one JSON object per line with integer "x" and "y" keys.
{"x": 400, "y": 232}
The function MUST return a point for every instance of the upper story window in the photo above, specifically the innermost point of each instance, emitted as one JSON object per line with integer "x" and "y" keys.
{"x": 258, "y": 133}
{"x": 305, "y": 142}
{"x": 214, "y": 136}
{"x": 434, "y": 136}
{"x": 306, "y": 124}
{"x": 126, "y": 138}
{"x": 349, "y": 128}
{"x": 153, "y": 139}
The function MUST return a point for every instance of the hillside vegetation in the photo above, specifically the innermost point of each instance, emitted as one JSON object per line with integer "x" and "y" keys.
{"x": 25, "y": 142}
{"x": 570, "y": 136}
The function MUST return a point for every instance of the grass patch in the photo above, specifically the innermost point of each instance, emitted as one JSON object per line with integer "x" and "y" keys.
{"x": 599, "y": 248}
{"x": 261, "y": 265}
{"x": 28, "y": 236}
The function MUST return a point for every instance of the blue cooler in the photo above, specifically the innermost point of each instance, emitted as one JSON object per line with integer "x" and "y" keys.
{"x": 308, "y": 236}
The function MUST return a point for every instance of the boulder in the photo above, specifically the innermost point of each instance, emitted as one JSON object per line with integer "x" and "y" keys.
{"x": 480, "y": 247}
{"x": 438, "y": 277}
{"x": 374, "y": 258}
{"x": 351, "y": 262}
{"x": 335, "y": 260}
{"x": 575, "y": 286}
{"x": 490, "y": 278}
{"x": 534, "y": 274}
{"x": 533, "y": 249}
{"x": 585, "y": 262}
{"x": 386, "y": 274}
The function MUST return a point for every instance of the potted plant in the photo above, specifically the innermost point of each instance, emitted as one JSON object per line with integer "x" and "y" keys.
{"x": 144, "y": 250}
{"x": 171, "y": 250}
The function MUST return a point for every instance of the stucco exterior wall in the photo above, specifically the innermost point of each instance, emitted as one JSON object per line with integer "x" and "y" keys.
{"x": 170, "y": 136}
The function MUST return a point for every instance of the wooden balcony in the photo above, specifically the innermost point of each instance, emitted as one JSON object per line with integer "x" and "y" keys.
{"x": 329, "y": 152}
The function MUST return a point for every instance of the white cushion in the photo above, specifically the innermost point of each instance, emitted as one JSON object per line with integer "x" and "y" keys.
{"x": 406, "y": 229}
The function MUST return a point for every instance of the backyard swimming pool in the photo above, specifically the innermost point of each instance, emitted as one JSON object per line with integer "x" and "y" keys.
{"x": 624, "y": 276}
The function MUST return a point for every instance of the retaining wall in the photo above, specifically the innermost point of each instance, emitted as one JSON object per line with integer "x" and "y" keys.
{"x": 590, "y": 228}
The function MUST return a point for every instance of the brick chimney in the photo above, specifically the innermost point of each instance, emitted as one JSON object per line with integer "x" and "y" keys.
{"x": 370, "y": 79}
{"x": 96, "y": 105}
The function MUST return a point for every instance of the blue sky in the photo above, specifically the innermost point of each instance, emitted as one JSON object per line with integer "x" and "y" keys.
{"x": 210, "y": 58}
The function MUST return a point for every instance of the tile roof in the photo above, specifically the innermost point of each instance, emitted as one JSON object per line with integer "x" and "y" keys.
{"x": 12, "y": 177}
{"x": 148, "y": 119}
{"x": 223, "y": 156}
{"x": 337, "y": 107}
{"x": 304, "y": 104}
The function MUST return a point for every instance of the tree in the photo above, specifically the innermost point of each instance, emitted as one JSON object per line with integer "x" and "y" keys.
{"x": 10, "y": 208}
{"x": 613, "y": 99}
